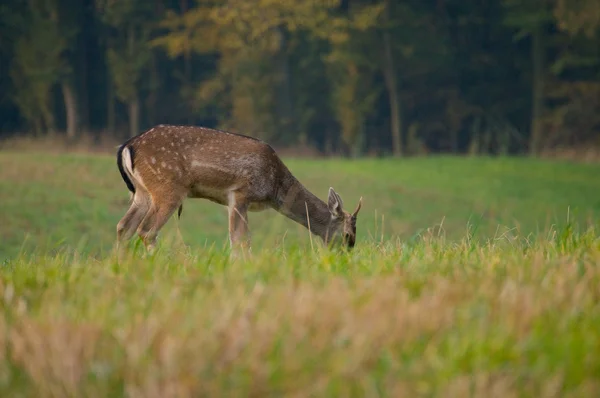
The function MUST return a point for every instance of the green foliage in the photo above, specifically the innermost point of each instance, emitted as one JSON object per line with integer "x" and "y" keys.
{"x": 39, "y": 61}
{"x": 576, "y": 17}
{"x": 352, "y": 66}
{"x": 527, "y": 15}
{"x": 127, "y": 61}
{"x": 248, "y": 34}
{"x": 118, "y": 13}
{"x": 128, "y": 53}
{"x": 576, "y": 97}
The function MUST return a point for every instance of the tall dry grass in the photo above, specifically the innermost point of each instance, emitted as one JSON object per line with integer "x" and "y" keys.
{"x": 431, "y": 318}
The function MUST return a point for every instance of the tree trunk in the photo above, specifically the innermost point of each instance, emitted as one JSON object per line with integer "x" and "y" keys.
{"x": 187, "y": 59}
{"x": 82, "y": 87}
{"x": 134, "y": 116}
{"x": 134, "y": 100}
{"x": 537, "y": 59}
{"x": 111, "y": 117}
{"x": 187, "y": 68}
{"x": 285, "y": 101}
{"x": 48, "y": 117}
{"x": 389, "y": 74}
{"x": 110, "y": 107}
{"x": 38, "y": 123}
{"x": 152, "y": 100}
{"x": 71, "y": 109}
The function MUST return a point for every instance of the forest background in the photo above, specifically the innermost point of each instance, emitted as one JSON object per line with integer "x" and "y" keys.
{"x": 349, "y": 77}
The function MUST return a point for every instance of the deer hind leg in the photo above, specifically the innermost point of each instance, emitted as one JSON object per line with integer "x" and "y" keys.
{"x": 239, "y": 233}
{"x": 158, "y": 215}
{"x": 134, "y": 216}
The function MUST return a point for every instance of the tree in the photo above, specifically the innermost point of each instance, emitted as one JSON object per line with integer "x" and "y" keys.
{"x": 128, "y": 52}
{"x": 40, "y": 61}
{"x": 575, "y": 89}
{"x": 389, "y": 73}
{"x": 249, "y": 92}
{"x": 352, "y": 66}
{"x": 531, "y": 19}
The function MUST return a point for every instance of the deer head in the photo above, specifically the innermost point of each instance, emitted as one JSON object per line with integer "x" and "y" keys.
{"x": 342, "y": 226}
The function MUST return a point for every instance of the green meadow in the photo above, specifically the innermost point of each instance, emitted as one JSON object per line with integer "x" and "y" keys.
{"x": 471, "y": 277}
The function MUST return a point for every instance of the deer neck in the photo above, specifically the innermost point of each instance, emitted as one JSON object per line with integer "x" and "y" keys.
{"x": 302, "y": 206}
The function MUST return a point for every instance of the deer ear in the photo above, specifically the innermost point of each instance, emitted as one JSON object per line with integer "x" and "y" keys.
{"x": 358, "y": 207}
{"x": 334, "y": 203}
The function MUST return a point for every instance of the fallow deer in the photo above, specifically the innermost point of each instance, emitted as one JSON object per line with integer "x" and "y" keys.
{"x": 166, "y": 164}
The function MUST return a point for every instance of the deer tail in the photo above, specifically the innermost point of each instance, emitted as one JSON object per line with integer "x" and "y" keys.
{"x": 125, "y": 164}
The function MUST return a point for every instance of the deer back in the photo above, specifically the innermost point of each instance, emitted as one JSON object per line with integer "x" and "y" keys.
{"x": 205, "y": 163}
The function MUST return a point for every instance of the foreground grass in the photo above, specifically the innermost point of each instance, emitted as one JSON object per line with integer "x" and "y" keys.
{"x": 513, "y": 317}
{"x": 471, "y": 277}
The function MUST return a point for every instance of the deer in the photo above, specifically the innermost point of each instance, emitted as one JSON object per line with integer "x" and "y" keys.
{"x": 165, "y": 165}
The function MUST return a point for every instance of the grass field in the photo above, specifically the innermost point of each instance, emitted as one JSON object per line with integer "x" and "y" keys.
{"x": 471, "y": 277}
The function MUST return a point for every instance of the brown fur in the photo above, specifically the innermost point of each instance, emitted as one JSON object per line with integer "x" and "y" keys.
{"x": 167, "y": 164}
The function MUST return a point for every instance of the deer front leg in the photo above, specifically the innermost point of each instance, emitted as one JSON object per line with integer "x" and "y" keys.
{"x": 239, "y": 233}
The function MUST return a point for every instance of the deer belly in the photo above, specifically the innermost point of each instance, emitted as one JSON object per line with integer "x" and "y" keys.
{"x": 214, "y": 195}
{"x": 258, "y": 206}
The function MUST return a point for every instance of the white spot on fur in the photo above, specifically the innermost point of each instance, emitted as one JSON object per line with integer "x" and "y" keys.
{"x": 163, "y": 164}
{"x": 153, "y": 160}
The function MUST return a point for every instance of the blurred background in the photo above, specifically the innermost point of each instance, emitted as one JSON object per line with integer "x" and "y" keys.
{"x": 343, "y": 77}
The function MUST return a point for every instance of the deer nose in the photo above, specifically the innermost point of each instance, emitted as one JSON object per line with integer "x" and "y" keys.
{"x": 349, "y": 240}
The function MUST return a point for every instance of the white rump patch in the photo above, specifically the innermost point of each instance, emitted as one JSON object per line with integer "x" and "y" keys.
{"x": 128, "y": 165}
{"x": 134, "y": 176}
